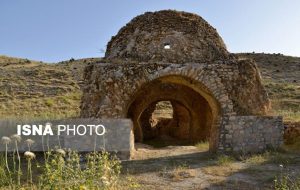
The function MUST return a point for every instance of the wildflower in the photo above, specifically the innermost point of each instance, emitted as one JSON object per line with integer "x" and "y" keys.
{"x": 16, "y": 138}
{"x": 5, "y": 140}
{"x": 29, "y": 142}
{"x": 61, "y": 152}
{"x": 105, "y": 181}
{"x": 281, "y": 165}
{"x": 29, "y": 155}
{"x": 106, "y": 167}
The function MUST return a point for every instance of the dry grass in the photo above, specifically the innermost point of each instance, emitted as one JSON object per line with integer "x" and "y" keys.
{"x": 203, "y": 146}
{"x": 281, "y": 77}
{"x": 62, "y": 106}
{"x": 179, "y": 173}
{"x": 223, "y": 171}
{"x": 294, "y": 147}
{"x": 222, "y": 165}
{"x": 39, "y": 90}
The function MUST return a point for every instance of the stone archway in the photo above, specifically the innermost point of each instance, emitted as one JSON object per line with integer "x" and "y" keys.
{"x": 208, "y": 87}
{"x": 196, "y": 111}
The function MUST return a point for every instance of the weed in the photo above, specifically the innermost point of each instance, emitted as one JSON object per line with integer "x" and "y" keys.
{"x": 203, "y": 146}
{"x": 61, "y": 170}
{"x": 224, "y": 160}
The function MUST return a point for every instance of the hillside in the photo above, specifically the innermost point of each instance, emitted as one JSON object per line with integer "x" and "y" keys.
{"x": 281, "y": 77}
{"x": 35, "y": 89}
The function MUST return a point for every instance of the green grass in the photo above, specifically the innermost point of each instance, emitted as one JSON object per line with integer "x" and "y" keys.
{"x": 63, "y": 170}
{"x": 271, "y": 157}
{"x": 224, "y": 160}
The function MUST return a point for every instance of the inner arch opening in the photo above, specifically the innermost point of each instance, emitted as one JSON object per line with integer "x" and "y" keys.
{"x": 166, "y": 123}
{"x": 193, "y": 119}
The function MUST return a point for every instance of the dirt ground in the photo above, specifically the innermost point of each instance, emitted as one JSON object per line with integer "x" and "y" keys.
{"x": 188, "y": 167}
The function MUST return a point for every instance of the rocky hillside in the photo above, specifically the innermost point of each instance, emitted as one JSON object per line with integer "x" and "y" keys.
{"x": 35, "y": 89}
{"x": 281, "y": 77}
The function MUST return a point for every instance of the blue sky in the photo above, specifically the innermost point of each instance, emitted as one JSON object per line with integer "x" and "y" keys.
{"x": 56, "y": 30}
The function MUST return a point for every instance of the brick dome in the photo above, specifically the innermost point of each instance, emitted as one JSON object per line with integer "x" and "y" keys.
{"x": 167, "y": 36}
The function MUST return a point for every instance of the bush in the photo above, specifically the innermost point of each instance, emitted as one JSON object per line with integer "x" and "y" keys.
{"x": 63, "y": 170}
{"x": 101, "y": 171}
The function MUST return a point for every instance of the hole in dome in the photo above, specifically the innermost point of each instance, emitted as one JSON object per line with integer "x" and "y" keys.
{"x": 167, "y": 46}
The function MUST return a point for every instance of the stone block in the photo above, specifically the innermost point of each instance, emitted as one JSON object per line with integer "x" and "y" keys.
{"x": 118, "y": 137}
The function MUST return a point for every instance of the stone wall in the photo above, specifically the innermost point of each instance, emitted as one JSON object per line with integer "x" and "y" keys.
{"x": 118, "y": 138}
{"x": 251, "y": 133}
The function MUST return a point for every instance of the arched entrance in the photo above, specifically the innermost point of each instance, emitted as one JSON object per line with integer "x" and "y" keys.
{"x": 195, "y": 112}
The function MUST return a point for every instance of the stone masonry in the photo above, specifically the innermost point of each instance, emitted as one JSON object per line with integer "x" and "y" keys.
{"x": 178, "y": 57}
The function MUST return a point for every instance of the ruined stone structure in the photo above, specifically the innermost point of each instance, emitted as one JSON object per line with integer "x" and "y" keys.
{"x": 178, "y": 57}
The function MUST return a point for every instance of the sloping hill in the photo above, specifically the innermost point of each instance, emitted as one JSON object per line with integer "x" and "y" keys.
{"x": 35, "y": 89}
{"x": 281, "y": 77}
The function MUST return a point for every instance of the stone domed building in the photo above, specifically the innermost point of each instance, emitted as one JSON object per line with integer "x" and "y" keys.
{"x": 178, "y": 57}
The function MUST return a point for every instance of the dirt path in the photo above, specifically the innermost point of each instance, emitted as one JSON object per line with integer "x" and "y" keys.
{"x": 185, "y": 167}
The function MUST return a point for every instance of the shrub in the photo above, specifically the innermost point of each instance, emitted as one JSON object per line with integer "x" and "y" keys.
{"x": 62, "y": 170}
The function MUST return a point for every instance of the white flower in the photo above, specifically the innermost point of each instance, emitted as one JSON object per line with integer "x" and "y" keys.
{"x": 281, "y": 165}
{"x": 5, "y": 140}
{"x": 107, "y": 167}
{"x": 61, "y": 152}
{"x": 16, "y": 138}
{"x": 105, "y": 181}
{"x": 29, "y": 155}
{"x": 29, "y": 142}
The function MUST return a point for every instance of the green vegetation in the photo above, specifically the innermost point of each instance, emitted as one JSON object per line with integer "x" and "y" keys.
{"x": 224, "y": 160}
{"x": 59, "y": 169}
{"x": 286, "y": 182}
